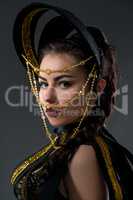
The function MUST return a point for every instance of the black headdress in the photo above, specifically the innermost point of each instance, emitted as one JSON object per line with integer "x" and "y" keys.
{"x": 59, "y": 27}
{"x": 38, "y": 171}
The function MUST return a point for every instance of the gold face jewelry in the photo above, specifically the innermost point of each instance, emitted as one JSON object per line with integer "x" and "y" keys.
{"x": 77, "y": 95}
{"x": 49, "y": 71}
{"x": 34, "y": 89}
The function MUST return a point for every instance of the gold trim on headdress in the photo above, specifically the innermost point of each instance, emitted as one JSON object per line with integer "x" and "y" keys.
{"x": 26, "y": 36}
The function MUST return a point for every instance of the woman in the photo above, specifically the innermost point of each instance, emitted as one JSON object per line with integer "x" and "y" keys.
{"x": 73, "y": 77}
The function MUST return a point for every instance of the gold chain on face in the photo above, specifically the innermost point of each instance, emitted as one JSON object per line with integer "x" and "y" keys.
{"x": 68, "y": 102}
{"x": 37, "y": 70}
{"x": 35, "y": 92}
{"x": 86, "y": 109}
{"x": 34, "y": 89}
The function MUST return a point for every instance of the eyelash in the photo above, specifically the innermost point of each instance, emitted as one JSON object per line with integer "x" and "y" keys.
{"x": 67, "y": 83}
{"x": 41, "y": 84}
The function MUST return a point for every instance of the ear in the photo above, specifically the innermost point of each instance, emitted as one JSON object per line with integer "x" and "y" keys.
{"x": 101, "y": 85}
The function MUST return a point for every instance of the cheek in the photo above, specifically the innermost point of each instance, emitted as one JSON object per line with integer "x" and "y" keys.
{"x": 66, "y": 95}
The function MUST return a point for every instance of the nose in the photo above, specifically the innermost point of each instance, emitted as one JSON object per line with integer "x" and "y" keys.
{"x": 49, "y": 95}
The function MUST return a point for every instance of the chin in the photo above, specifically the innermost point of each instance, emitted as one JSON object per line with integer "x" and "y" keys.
{"x": 59, "y": 122}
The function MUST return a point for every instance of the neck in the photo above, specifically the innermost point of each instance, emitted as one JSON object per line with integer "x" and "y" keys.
{"x": 68, "y": 128}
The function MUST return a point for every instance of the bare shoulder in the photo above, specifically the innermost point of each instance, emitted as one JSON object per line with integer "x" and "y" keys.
{"x": 84, "y": 160}
{"x": 83, "y": 155}
{"x": 84, "y": 178}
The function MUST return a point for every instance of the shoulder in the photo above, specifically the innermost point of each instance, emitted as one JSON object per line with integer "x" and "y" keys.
{"x": 84, "y": 157}
{"x": 84, "y": 154}
{"x": 84, "y": 178}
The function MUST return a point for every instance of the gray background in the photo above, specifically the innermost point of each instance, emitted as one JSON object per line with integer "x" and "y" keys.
{"x": 21, "y": 132}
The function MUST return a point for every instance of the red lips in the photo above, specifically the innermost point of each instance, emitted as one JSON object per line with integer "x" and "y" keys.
{"x": 52, "y": 112}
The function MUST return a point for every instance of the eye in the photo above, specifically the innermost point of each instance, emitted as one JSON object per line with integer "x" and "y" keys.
{"x": 42, "y": 85}
{"x": 65, "y": 84}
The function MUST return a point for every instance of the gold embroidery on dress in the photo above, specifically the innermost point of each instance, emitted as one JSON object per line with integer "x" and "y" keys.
{"x": 109, "y": 165}
{"x": 29, "y": 161}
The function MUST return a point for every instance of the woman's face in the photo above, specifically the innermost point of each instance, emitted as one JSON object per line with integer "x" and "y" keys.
{"x": 59, "y": 87}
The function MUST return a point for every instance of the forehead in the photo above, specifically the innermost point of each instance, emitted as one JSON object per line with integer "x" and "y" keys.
{"x": 59, "y": 62}
{"x": 56, "y": 61}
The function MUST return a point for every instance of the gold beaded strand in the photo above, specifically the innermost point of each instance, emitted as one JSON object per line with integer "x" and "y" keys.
{"x": 36, "y": 93}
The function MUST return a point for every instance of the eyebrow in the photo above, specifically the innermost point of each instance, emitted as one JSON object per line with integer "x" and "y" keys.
{"x": 57, "y": 78}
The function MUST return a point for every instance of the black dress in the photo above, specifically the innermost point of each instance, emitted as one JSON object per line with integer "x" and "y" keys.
{"x": 38, "y": 177}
